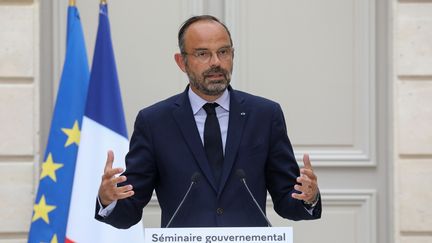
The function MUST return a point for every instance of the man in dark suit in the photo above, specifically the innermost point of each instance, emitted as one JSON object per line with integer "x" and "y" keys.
{"x": 235, "y": 135}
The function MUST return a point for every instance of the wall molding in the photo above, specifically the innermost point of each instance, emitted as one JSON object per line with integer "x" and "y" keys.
{"x": 361, "y": 205}
{"x": 365, "y": 201}
{"x": 362, "y": 152}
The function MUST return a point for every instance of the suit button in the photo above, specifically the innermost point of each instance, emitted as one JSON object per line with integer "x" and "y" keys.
{"x": 219, "y": 211}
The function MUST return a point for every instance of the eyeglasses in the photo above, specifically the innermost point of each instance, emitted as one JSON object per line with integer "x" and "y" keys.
{"x": 205, "y": 56}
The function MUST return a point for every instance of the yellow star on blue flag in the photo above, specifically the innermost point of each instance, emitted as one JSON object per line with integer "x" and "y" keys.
{"x": 54, "y": 239}
{"x": 73, "y": 134}
{"x": 41, "y": 210}
{"x": 49, "y": 168}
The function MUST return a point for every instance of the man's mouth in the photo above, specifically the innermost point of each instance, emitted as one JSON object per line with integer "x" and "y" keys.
{"x": 215, "y": 76}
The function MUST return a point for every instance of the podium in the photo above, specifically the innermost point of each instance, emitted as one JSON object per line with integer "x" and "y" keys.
{"x": 222, "y": 234}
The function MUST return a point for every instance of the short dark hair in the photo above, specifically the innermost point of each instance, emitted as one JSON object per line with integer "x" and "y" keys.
{"x": 192, "y": 20}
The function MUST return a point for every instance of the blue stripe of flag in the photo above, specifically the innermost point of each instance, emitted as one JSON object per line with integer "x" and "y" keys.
{"x": 104, "y": 103}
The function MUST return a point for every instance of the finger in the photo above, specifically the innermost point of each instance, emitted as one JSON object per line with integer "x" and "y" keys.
{"x": 307, "y": 183}
{"x": 123, "y": 189}
{"x": 303, "y": 179}
{"x": 300, "y": 188}
{"x": 298, "y": 196}
{"x": 108, "y": 174}
{"x": 304, "y": 197}
{"x": 309, "y": 173}
{"x": 307, "y": 195}
{"x": 124, "y": 192}
{"x": 304, "y": 188}
{"x": 117, "y": 180}
{"x": 110, "y": 192}
{"x": 307, "y": 162}
{"x": 109, "y": 161}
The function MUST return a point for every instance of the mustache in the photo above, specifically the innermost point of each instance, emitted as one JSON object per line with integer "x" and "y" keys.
{"x": 215, "y": 70}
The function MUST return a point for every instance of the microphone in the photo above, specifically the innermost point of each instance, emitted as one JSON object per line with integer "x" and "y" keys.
{"x": 194, "y": 180}
{"x": 241, "y": 174}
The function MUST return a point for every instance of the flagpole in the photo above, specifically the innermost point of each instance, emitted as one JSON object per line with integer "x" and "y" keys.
{"x": 71, "y": 2}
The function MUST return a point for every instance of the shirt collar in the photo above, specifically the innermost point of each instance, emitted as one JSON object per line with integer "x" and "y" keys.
{"x": 198, "y": 102}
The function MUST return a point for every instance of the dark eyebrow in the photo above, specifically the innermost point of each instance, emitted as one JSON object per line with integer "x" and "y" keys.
{"x": 201, "y": 49}
{"x": 206, "y": 49}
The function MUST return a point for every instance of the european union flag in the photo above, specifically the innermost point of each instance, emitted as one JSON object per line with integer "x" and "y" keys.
{"x": 50, "y": 211}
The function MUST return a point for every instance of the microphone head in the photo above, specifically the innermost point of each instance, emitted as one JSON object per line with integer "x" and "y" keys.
{"x": 241, "y": 174}
{"x": 195, "y": 177}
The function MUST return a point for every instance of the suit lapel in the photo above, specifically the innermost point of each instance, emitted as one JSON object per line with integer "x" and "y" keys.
{"x": 237, "y": 118}
{"x": 184, "y": 117}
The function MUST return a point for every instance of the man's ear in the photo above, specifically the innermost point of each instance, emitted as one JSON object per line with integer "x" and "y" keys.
{"x": 180, "y": 61}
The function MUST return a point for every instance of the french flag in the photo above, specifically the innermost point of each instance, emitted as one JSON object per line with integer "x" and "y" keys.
{"x": 103, "y": 129}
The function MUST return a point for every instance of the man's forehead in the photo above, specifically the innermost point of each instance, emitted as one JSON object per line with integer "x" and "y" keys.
{"x": 206, "y": 27}
{"x": 206, "y": 34}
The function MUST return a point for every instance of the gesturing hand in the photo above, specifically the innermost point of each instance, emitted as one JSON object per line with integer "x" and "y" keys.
{"x": 308, "y": 185}
{"x": 108, "y": 190}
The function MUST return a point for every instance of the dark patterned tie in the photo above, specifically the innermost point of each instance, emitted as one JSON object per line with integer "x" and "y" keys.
{"x": 213, "y": 141}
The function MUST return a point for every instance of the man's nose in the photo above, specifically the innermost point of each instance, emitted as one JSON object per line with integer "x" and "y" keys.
{"x": 214, "y": 60}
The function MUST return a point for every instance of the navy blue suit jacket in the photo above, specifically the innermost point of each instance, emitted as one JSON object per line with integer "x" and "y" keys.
{"x": 166, "y": 150}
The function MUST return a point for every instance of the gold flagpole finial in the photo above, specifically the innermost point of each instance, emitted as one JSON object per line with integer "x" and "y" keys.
{"x": 71, "y": 2}
{"x": 103, "y": 1}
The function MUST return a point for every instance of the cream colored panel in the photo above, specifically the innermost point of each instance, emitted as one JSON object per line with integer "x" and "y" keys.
{"x": 16, "y": 195}
{"x": 415, "y": 117}
{"x": 413, "y": 38}
{"x": 347, "y": 217}
{"x": 415, "y": 182}
{"x": 16, "y": 38}
{"x": 17, "y": 120}
{"x": 316, "y": 59}
{"x": 416, "y": 239}
{"x": 295, "y": 63}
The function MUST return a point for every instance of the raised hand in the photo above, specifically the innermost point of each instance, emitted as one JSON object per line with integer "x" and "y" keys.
{"x": 308, "y": 185}
{"x": 108, "y": 189}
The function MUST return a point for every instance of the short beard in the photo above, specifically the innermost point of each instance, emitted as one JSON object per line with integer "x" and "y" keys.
{"x": 211, "y": 88}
